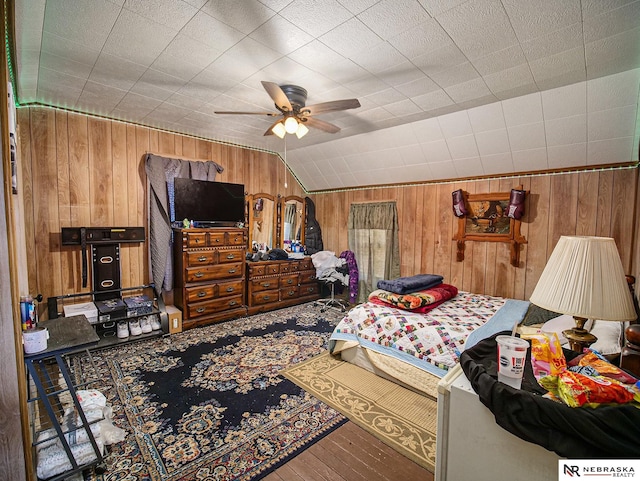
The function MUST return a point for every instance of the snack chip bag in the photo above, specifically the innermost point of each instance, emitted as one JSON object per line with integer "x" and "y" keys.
{"x": 576, "y": 390}
{"x": 603, "y": 367}
{"x": 547, "y": 360}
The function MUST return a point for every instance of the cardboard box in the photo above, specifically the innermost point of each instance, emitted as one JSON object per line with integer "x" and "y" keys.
{"x": 110, "y": 309}
{"x": 89, "y": 310}
{"x": 175, "y": 319}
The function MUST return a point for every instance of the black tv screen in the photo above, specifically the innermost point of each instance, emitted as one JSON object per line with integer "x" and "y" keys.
{"x": 208, "y": 203}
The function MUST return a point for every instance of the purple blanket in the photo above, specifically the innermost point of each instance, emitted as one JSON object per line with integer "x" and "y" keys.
{"x": 406, "y": 285}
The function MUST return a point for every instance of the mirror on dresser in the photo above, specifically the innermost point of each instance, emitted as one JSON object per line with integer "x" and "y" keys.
{"x": 262, "y": 210}
{"x": 292, "y": 218}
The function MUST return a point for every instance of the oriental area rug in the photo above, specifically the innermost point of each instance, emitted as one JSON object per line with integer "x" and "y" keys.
{"x": 209, "y": 403}
{"x": 399, "y": 417}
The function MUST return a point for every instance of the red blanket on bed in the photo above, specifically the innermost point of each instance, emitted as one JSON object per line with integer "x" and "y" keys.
{"x": 419, "y": 301}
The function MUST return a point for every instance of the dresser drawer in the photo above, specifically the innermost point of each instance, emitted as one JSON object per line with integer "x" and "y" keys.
{"x": 289, "y": 292}
{"x": 201, "y": 258}
{"x": 264, "y": 297}
{"x": 256, "y": 269}
{"x": 309, "y": 289}
{"x": 199, "y": 309}
{"x": 230, "y": 288}
{"x": 230, "y": 255}
{"x": 236, "y": 238}
{"x": 201, "y": 293}
{"x": 208, "y": 273}
{"x": 273, "y": 268}
{"x": 289, "y": 281}
{"x": 306, "y": 263}
{"x": 307, "y": 277}
{"x": 265, "y": 284}
{"x": 196, "y": 239}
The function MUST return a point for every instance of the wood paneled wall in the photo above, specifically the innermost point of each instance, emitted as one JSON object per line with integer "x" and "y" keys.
{"x": 81, "y": 171}
{"x": 598, "y": 203}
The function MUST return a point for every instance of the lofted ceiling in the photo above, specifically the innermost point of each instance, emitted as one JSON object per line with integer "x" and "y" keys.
{"x": 448, "y": 88}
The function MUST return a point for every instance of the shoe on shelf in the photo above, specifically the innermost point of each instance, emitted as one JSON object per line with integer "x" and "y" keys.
{"x": 155, "y": 322}
{"x": 145, "y": 325}
{"x": 134, "y": 327}
{"x": 122, "y": 331}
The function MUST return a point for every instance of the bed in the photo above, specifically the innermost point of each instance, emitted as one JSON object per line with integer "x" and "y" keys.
{"x": 409, "y": 347}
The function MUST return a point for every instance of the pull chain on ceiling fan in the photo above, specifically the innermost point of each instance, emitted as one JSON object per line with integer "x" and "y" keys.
{"x": 296, "y": 117}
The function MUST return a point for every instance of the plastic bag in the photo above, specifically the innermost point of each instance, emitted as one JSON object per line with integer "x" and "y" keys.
{"x": 547, "y": 360}
{"x": 110, "y": 433}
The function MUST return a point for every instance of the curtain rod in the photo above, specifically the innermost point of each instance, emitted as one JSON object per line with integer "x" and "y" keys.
{"x": 177, "y": 156}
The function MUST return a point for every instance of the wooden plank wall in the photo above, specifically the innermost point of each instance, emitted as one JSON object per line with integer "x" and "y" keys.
{"x": 77, "y": 171}
{"x": 598, "y": 203}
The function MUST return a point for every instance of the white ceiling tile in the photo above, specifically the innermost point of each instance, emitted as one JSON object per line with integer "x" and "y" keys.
{"x": 269, "y": 34}
{"x": 389, "y": 18}
{"x": 350, "y": 38}
{"x": 530, "y": 160}
{"x": 256, "y": 56}
{"x": 385, "y": 96}
{"x": 379, "y": 58}
{"x": 402, "y": 108}
{"x": 610, "y": 151}
{"x": 612, "y": 22}
{"x": 443, "y": 170}
{"x": 613, "y": 54}
{"x": 66, "y": 66}
{"x": 568, "y": 62}
{"x": 492, "y": 142}
{"x": 565, "y": 156}
{"x": 357, "y": 6}
{"x": 455, "y": 75}
{"x": 462, "y": 147}
{"x": 534, "y": 19}
{"x": 417, "y": 87}
{"x": 62, "y": 47}
{"x": 474, "y": 91}
{"x": 156, "y": 85}
{"x": 175, "y": 66}
{"x": 479, "y": 27}
{"x": 212, "y": 32}
{"x": 168, "y": 113}
{"x": 316, "y": 17}
{"x": 592, "y": 8}
{"x": 523, "y": 110}
{"x": 411, "y": 154}
{"x": 436, "y": 7}
{"x": 455, "y": 124}
{"x": 617, "y": 90}
{"x": 566, "y": 38}
{"x": 245, "y": 16}
{"x": 402, "y": 73}
{"x": 566, "y": 130}
{"x": 192, "y": 51}
{"x": 436, "y": 151}
{"x": 469, "y": 167}
{"x": 106, "y": 98}
{"x": 92, "y": 21}
{"x": 527, "y": 136}
{"x": 497, "y": 163}
{"x": 440, "y": 59}
{"x": 426, "y": 37}
{"x": 613, "y": 123}
{"x": 565, "y": 101}
{"x": 487, "y": 117}
{"x": 116, "y": 72}
{"x": 170, "y": 13}
{"x": 149, "y": 38}
{"x": 427, "y": 130}
{"x": 500, "y": 60}
{"x": 512, "y": 82}
{"x": 28, "y": 23}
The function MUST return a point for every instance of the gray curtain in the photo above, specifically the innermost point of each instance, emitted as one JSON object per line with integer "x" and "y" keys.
{"x": 161, "y": 171}
{"x": 373, "y": 238}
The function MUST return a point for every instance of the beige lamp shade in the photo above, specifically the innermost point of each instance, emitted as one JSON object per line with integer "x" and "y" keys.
{"x": 584, "y": 278}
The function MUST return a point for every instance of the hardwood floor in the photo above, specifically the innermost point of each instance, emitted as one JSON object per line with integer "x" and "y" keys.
{"x": 350, "y": 454}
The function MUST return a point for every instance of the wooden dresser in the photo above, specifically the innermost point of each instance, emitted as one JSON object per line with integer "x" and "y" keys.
{"x": 209, "y": 267}
{"x": 276, "y": 284}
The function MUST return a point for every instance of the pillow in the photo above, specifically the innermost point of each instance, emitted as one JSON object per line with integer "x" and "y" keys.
{"x": 609, "y": 334}
{"x": 538, "y": 315}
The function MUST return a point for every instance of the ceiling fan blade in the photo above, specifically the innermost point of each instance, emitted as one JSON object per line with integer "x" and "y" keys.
{"x": 332, "y": 106}
{"x": 270, "y": 114}
{"x": 278, "y": 96}
{"x": 321, "y": 125}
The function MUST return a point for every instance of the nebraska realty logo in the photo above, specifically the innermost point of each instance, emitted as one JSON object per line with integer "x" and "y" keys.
{"x": 595, "y": 469}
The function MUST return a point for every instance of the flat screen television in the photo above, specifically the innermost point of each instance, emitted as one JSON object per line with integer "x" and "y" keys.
{"x": 208, "y": 203}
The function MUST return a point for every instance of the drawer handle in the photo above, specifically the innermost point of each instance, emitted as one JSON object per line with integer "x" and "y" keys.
{"x": 230, "y": 289}
{"x": 218, "y": 241}
{"x": 236, "y": 239}
{"x": 202, "y": 259}
{"x": 199, "y": 274}
{"x": 233, "y": 303}
{"x": 197, "y": 241}
{"x": 200, "y": 310}
{"x": 312, "y": 278}
{"x": 266, "y": 298}
{"x": 292, "y": 293}
{"x": 231, "y": 256}
{"x": 266, "y": 284}
{"x": 202, "y": 294}
{"x": 232, "y": 271}
{"x": 289, "y": 281}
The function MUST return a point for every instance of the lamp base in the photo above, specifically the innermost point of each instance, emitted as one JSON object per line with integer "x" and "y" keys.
{"x": 579, "y": 337}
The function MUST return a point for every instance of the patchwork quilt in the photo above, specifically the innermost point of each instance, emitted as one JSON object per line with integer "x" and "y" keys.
{"x": 435, "y": 338}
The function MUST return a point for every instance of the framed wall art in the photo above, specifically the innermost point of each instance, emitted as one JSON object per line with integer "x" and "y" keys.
{"x": 490, "y": 217}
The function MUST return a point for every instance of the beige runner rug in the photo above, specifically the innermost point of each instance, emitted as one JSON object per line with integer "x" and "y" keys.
{"x": 399, "y": 417}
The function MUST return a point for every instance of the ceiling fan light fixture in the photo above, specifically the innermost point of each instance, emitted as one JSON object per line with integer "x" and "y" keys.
{"x": 279, "y": 130}
{"x": 291, "y": 125}
{"x": 301, "y": 130}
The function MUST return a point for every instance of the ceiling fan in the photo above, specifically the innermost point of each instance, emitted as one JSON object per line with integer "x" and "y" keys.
{"x": 296, "y": 116}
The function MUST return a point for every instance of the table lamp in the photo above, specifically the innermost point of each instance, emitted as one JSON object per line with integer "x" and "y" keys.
{"x": 584, "y": 278}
